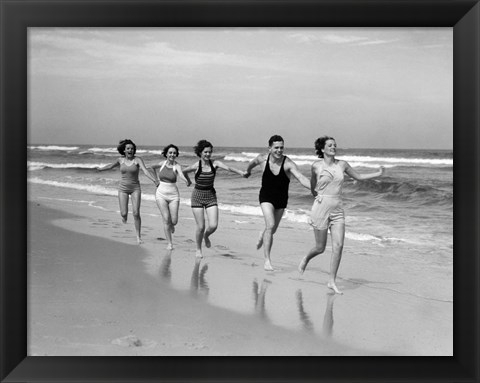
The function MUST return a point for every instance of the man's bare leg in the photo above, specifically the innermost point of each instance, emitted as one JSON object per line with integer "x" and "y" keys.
{"x": 272, "y": 218}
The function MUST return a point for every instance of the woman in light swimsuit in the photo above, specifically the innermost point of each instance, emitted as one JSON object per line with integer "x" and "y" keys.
{"x": 129, "y": 184}
{"x": 204, "y": 197}
{"x": 167, "y": 195}
{"x": 327, "y": 210}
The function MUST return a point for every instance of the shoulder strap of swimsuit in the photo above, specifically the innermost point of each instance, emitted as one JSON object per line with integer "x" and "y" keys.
{"x": 174, "y": 167}
{"x": 282, "y": 168}
{"x": 199, "y": 170}
{"x": 267, "y": 164}
{"x": 163, "y": 165}
{"x": 212, "y": 167}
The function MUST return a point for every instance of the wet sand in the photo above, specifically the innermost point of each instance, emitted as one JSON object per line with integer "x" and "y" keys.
{"x": 93, "y": 291}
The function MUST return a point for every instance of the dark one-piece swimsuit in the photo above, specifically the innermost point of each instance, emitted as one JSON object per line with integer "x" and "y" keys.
{"x": 275, "y": 187}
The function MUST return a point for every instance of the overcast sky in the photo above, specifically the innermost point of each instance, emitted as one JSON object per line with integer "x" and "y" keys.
{"x": 367, "y": 87}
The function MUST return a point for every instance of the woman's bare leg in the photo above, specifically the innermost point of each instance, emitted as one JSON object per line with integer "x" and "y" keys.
{"x": 319, "y": 248}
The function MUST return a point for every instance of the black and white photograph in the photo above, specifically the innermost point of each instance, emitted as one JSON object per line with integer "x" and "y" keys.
{"x": 271, "y": 191}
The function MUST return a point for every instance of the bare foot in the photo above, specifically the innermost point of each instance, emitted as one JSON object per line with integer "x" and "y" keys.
{"x": 198, "y": 254}
{"x": 208, "y": 244}
{"x": 333, "y": 286}
{"x": 268, "y": 266}
{"x": 139, "y": 240}
{"x": 302, "y": 266}
{"x": 260, "y": 240}
{"x": 170, "y": 246}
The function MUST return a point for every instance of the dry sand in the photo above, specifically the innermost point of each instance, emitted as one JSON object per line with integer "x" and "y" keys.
{"x": 93, "y": 291}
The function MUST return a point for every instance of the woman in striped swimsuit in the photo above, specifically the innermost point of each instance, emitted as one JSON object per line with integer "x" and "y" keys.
{"x": 204, "y": 197}
{"x": 167, "y": 195}
{"x": 129, "y": 184}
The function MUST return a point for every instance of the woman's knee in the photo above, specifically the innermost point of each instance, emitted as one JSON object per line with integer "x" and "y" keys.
{"x": 337, "y": 247}
{"x": 136, "y": 214}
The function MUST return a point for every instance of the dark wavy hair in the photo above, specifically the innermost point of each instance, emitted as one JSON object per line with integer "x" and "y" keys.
{"x": 202, "y": 144}
{"x": 275, "y": 138}
{"x": 123, "y": 143}
{"x": 167, "y": 148}
{"x": 320, "y": 144}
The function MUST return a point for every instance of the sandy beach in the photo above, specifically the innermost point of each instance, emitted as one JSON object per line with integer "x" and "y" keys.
{"x": 93, "y": 291}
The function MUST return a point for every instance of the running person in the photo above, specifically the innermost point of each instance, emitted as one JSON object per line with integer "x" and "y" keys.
{"x": 204, "y": 197}
{"x": 273, "y": 197}
{"x": 167, "y": 196}
{"x": 129, "y": 183}
{"x": 327, "y": 210}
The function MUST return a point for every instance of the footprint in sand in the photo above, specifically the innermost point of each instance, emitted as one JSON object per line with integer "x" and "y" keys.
{"x": 229, "y": 255}
{"x": 133, "y": 341}
{"x": 220, "y": 247}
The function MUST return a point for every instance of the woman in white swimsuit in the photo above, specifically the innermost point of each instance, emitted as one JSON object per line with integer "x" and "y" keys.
{"x": 327, "y": 210}
{"x": 167, "y": 195}
{"x": 129, "y": 185}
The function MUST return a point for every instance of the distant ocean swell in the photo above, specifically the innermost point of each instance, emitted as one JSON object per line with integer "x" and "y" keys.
{"x": 300, "y": 159}
{"x": 364, "y": 161}
{"x": 391, "y": 190}
{"x": 402, "y": 191}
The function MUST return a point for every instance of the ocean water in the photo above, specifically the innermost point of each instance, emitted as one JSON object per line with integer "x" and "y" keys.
{"x": 410, "y": 206}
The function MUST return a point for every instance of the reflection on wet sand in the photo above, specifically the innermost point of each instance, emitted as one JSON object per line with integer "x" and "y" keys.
{"x": 259, "y": 292}
{"x": 327, "y": 326}
{"x": 304, "y": 317}
{"x": 328, "y": 317}
{"x": 165, "y": 271}
{"x": 198, "y": 283}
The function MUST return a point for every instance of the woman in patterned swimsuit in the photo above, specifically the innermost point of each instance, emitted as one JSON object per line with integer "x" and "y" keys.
{"x": 167, "y": 195}
{"x": 129, "y": 184}
{"x": 327, "y": 210}
{"x": 204, "y": 197}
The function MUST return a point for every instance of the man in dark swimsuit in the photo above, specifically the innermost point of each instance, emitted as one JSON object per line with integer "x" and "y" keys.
{"x": 273, "y": 197}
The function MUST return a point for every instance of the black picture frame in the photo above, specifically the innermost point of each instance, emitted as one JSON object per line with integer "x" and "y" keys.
{"x": 18, "y": 15}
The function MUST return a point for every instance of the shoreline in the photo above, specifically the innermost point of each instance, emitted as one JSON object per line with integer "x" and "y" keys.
{"x": 143, "y": 300}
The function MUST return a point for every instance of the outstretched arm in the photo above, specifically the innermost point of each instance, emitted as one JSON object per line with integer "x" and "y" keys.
{"x": 253, "y": 163}
{"x": 191, "y": 168}
{"x": 292, "y": 167}
{"x": 146, "y": 172}
{"x": 360, "y": 177}
{"x": 153, "y": 171}
{"x": 221, "y": 165}
{"x": 109, "y": 166}
{"x": 183, "y": 176}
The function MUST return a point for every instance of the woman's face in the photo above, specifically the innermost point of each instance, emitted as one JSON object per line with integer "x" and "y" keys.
{"x": 129, "y": 150}
{"x": 206, "y": 153}
{"x": 330, "y": 148}
{"x": 172, "y": 154}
